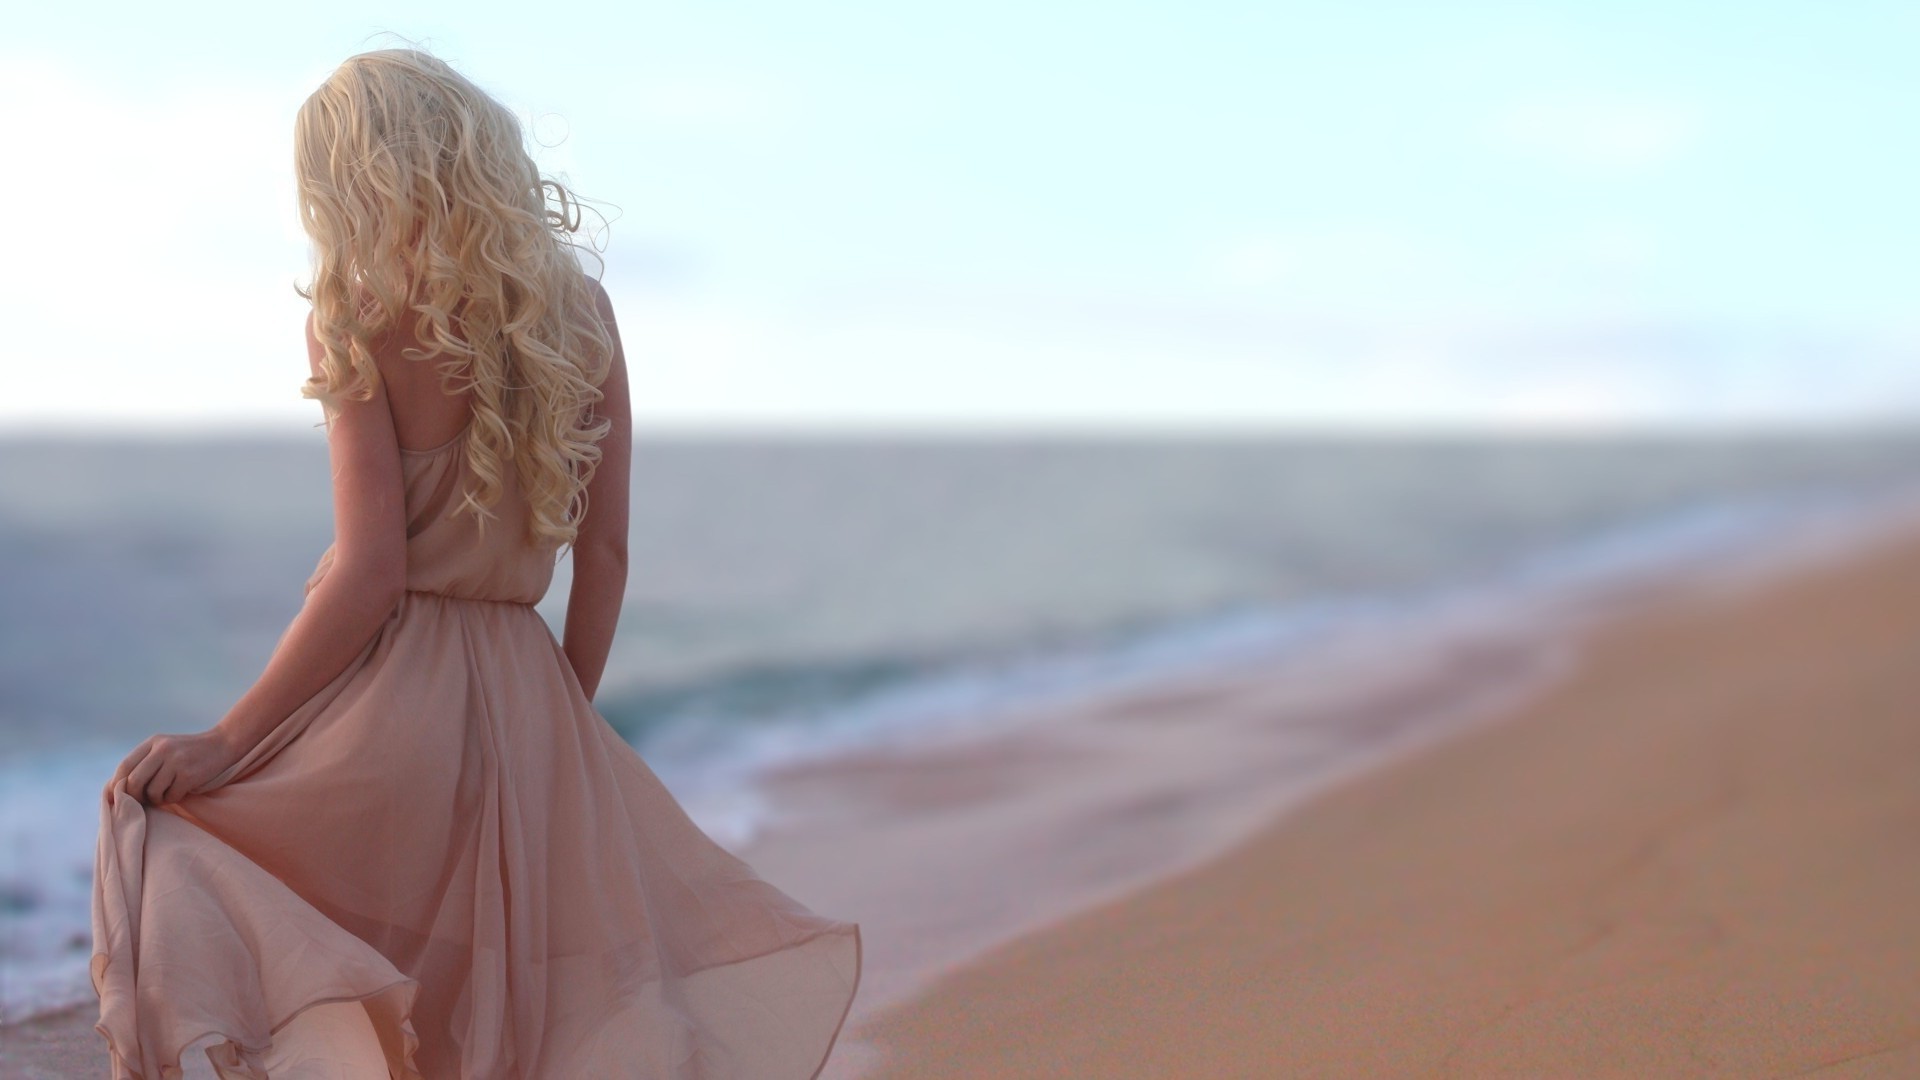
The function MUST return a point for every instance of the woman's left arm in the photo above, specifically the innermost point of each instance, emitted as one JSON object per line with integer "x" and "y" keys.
{"x": 344, "y": 610}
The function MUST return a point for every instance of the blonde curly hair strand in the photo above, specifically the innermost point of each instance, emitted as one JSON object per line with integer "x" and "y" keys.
{"x": 420, "y": 198}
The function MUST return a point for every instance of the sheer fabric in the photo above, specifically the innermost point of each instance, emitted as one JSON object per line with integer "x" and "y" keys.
{"x": 450, "y": 841}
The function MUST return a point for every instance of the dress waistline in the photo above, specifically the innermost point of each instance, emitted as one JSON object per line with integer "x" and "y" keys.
{"x": 474, "y": 599}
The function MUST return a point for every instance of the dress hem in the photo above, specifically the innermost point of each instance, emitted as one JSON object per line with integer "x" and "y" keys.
{"x": 853, "y": 992}
{"x": 243, "y": 1057}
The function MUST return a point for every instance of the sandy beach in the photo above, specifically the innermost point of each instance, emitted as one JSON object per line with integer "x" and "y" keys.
{"x": 1696, "y": 856}
{"x": 1676, "y": 837}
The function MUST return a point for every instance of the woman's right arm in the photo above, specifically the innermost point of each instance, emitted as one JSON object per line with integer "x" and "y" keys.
{"x": 600, "y": 549}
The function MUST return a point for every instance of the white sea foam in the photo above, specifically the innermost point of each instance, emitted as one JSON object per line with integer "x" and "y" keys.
{"x": 49, "y": 818}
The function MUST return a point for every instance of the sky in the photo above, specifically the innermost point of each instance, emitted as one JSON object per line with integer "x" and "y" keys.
{"x": 990, "y": 216}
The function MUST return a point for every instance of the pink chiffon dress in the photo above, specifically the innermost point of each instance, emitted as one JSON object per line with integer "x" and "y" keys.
{"x": 447, "y": 865}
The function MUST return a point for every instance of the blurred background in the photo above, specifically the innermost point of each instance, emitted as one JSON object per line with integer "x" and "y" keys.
{"x": 982, "y": 354}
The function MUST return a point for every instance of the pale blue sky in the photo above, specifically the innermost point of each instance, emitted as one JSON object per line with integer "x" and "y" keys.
{"x": 1186, "y": 214}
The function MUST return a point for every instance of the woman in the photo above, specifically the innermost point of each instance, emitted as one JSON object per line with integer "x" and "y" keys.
{"x": 414, "y": 848}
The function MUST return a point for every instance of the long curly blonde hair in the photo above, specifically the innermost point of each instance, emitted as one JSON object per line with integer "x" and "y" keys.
{"x": 421, "y": 199}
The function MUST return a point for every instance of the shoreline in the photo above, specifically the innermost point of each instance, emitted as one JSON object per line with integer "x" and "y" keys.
{"x": 1692, "y": 855}
{"x": 1012, "y": 806}
{"x": 1147, "y": 784}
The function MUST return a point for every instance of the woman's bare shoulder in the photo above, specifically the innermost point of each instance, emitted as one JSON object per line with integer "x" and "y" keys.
{"x": 599, "y": 291}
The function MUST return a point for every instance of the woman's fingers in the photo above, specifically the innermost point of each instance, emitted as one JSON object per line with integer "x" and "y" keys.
{"x": 158, "y": 769}
{"x": 175, "y": 788}
{"x": 121, "y": 776}
{"x": 142, "y": 775}
{"x": 162, "y": 780}
{"x": 127, "y": 764}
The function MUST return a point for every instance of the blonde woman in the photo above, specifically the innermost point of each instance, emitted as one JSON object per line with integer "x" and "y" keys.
{"x": 414, "y": 848}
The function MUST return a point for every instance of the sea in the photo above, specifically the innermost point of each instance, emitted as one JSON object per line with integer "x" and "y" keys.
{"x": 805, "y": 595}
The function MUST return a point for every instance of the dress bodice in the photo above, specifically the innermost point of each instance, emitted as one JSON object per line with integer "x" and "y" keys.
{"x": 446, "y": 552}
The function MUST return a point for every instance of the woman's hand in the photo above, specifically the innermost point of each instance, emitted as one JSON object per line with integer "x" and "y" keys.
{"x": 166, "y": 768}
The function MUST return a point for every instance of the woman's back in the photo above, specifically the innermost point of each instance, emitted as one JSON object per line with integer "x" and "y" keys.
{"x": 449, "y": 553}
